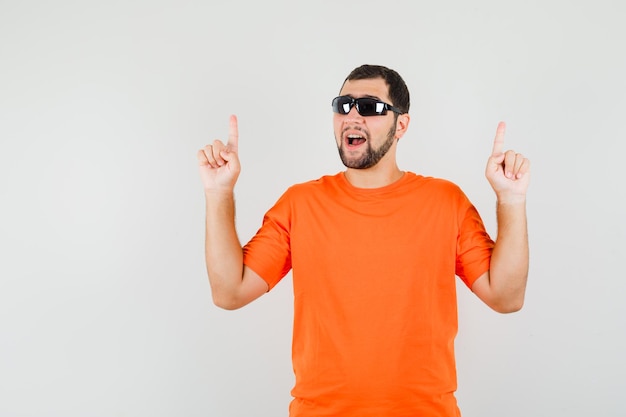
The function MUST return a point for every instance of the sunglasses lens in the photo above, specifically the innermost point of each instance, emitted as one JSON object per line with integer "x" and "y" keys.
{"x": 342, "y": 104}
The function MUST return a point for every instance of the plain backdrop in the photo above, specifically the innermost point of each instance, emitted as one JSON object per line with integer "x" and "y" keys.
{"x": 105, "y": 306}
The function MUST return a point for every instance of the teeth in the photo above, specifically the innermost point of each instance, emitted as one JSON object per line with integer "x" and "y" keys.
{"x": 354, "y": 136}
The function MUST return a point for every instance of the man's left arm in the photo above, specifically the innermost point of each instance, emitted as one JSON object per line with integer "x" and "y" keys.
{"x": 503, "y": 287}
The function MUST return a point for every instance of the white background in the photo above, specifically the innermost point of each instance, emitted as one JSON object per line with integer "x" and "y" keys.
{"x": 105, "y": 308}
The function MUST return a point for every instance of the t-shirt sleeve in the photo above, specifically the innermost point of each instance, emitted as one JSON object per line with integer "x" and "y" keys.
{"x": 268, "y": 253}
{"x": 474, "y": 246}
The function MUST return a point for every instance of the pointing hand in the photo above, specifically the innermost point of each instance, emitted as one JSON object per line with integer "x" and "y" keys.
{"x": 507, "y": 172}
{"x": 219, "y": 164}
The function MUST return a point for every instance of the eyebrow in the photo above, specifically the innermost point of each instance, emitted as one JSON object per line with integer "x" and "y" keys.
{"x": 365, "y": 96}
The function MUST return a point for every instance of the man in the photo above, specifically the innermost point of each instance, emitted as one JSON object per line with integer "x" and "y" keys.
{"x": 374, "y": 252}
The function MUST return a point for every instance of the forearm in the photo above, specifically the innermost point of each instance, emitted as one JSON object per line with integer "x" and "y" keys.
{"x": 509, "y": 261}
{"x": 223, "y": 252}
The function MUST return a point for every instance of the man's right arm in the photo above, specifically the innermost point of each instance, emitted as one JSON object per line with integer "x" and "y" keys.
{"x": 233, "y": 285}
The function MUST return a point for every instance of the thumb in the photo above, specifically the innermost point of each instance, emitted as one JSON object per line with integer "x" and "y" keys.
{"x": 231, "y": 157}
{"x": 497, "y": 159}
{"x": 228, "y": 154}
{"x": 494, "y": 164}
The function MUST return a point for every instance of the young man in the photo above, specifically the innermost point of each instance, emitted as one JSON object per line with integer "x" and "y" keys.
{"x": 374, "y": 252}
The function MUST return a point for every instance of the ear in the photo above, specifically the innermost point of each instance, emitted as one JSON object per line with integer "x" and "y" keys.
{"x": 402, "y": 124}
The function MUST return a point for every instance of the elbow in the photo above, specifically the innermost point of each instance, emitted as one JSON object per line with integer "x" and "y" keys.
{"x": 508, "y": 307}
{"x": 225, "y": 306}
{"x": 226, "y": 302}
{"x": 503, "y": 294}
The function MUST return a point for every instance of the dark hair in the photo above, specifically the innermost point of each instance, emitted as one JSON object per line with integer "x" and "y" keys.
{"x": 398, "y": 91}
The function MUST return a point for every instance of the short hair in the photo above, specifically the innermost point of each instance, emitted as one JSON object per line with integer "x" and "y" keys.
{"x": 398, "y": 91}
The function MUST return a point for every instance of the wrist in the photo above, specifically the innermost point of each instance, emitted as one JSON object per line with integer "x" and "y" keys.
{"x": 218, "y": 193}
{"x": 511, "y": 199}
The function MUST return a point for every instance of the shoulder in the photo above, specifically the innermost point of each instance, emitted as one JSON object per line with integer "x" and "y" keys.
{"x": 438, "y": 193}
{"x": 306, "y": 192}
{"x": 321, "y": 185}
{"x": 432, "y": 184}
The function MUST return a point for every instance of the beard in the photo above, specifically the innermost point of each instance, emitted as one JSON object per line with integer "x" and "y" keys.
{"x": 371, "y": 156}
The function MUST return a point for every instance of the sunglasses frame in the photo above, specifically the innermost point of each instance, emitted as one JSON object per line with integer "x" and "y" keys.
{"x": 355, "y": 102}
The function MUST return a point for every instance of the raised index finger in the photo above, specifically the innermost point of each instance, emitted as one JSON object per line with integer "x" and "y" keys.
{"x": 498, "y": 142}
{"x": 233, "y": 134}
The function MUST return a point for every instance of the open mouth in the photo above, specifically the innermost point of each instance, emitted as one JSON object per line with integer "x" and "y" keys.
{"x": 354, "y": 139}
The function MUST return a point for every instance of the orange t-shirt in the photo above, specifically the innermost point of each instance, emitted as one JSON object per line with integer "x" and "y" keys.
{"x": 375, "y": 312}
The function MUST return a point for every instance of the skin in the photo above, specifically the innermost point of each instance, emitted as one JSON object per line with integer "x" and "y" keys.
{"x": 376, "y": 130}
{"x": 503, "y": 287}
{"x": 234, "y": 285}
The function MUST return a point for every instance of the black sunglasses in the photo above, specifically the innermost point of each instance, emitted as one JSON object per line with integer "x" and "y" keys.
{"x": 365, "y": 106}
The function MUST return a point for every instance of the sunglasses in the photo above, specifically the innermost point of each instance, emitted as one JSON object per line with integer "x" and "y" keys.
{"x": 365, "y": 106}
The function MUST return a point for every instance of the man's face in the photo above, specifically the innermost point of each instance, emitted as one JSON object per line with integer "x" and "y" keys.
{"x": 364, "y": 140}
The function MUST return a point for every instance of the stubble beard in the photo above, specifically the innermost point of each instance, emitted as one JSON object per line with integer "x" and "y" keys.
{"x": 371, "y": 156}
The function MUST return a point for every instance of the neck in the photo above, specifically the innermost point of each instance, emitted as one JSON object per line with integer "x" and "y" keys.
{"x": 375, "y": 177}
